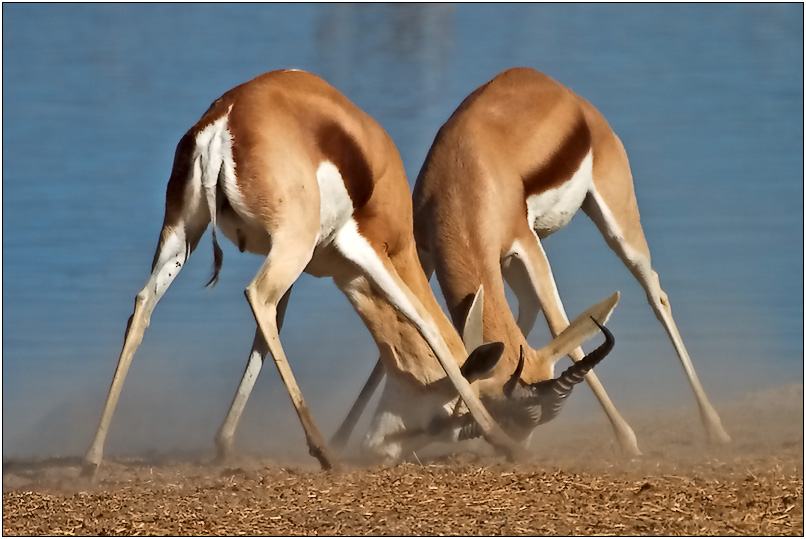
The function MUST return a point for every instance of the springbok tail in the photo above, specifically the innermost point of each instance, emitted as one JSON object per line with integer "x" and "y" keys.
{"x": 218, "y": 260}
{"x": 210, "y": 177}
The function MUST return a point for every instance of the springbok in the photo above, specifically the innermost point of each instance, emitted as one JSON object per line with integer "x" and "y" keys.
{"x": 512, "y": 165}
{"x": 292, "y": 170}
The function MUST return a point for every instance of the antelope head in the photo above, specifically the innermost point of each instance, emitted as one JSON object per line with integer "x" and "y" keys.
{"x": 524, "y": 406}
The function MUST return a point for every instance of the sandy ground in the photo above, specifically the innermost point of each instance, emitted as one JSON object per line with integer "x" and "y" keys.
{"x": 574, "y": 482}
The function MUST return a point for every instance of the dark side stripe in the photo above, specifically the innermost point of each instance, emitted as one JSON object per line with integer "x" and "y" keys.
{"x": 562, "y": 163}
{"x": 341, "y": 149}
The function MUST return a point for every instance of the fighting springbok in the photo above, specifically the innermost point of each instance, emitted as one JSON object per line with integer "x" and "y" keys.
{"x": 289, "y": 168}
{"x": 513, "y": 164}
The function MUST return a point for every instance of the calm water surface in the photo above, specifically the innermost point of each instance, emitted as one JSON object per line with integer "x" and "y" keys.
{"x": 708, "y": 100}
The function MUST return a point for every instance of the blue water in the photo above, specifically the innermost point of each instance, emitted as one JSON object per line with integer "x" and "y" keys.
{"x": 708, "y": 100}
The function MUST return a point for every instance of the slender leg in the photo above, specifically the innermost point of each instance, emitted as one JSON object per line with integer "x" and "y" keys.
{"x": 285, "y": 263}
{"x": 342, "y": 435}
{"x": 171, "y": 255}
{"x": 226, "y": 434}
{"x": 634, "y": 253}
{"x": 339, "y": 440}
{"x": 531, "y": 279}
{"x": 518, "y": 279}
{"x": 381, "y": 274}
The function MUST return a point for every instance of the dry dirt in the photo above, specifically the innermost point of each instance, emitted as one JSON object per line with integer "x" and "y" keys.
{"x": 575, "y": 483}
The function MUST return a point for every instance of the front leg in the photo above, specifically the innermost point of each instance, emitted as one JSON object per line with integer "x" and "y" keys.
{"x": 339, "y": 440}
{"x": 532, "y": 270}
{"x": 517, "y": 276}
{"x": 378, "y": 269}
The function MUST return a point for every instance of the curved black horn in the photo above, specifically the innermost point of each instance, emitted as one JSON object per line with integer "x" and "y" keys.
{"x": 553, "y": 393}
{"x": 576, "y": 372}
{"x": 512, "y": 383}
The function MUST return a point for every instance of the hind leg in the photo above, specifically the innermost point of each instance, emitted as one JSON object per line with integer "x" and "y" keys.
{"x": 226, "y": 433}
{"x": 623, "y": 233}
{"x": 291, "y": 251}
{"x": 176, "y": 244}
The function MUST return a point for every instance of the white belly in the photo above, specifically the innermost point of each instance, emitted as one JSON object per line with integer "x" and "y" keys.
{"x": 551, "y": 210}
{"x": 335, "y": 211}
{"x": 335, "y": 205}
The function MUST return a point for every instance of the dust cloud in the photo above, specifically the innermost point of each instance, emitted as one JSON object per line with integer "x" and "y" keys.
{"x": 170, "y": 419}
{"x": 175, "y": 407}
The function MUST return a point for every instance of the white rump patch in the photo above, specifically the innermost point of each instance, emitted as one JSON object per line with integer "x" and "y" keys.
{"x": 214, "y": 165}
{"x": 214, "y": 150}
{"x": 552, "y": 210}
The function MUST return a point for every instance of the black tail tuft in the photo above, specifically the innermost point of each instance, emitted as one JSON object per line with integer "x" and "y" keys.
{"x": 218, "y": 260}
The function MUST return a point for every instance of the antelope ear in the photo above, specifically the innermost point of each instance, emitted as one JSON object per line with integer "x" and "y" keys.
{"x": 472, "y": 330}
{"x": 482, "y": 360}
{"x": 580, "y": 330}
